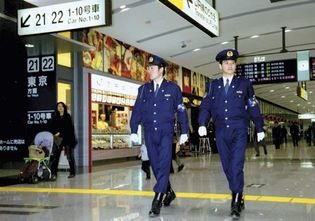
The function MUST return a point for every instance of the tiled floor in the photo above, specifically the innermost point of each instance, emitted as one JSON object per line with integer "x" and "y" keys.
{"x": 279, "y": 186}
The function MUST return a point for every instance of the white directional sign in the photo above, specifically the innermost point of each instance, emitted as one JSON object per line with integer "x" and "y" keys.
{"x": 61, "y": 17}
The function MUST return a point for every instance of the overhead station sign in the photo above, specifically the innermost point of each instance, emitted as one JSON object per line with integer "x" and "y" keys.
{"x": 62, "y": 17}
{"x": 199, "y": 12}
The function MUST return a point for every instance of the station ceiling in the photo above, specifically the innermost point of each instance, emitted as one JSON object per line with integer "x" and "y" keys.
{"x": 151, "y": 26}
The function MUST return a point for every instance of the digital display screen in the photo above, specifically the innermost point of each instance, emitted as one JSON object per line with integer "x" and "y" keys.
{"x": 269, "y": 72}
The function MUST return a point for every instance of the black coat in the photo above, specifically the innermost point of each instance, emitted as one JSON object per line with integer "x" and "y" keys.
{"x": 65, "y": 127}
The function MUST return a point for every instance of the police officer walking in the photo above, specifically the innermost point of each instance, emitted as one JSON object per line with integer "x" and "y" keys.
{"x": 231, "y": 103}
{"x": 156, "y": 106}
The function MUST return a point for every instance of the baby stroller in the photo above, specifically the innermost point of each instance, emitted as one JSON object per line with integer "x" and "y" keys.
{"x": 37, "y": 163}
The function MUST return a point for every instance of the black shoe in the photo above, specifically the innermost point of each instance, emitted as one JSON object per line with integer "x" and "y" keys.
{"x": 156, "y": 205}
{"x": 237, "y": 205}
{"x": 170, "y": 196}
{"x": 257, "y": 155}
{"x": 71, "y": 176}
{"x": 53, "y": 177}
{"x": 265, "y": 152}
{"x": 148, "y": 177}
{"x": 180, "y": 168}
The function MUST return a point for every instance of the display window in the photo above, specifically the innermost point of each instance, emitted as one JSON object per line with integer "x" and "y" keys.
{"x": 111, "y": 107}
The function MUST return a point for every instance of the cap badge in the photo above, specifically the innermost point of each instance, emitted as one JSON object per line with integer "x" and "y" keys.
{"x": 229, "y": 53}
{"x": 151, "y": 59}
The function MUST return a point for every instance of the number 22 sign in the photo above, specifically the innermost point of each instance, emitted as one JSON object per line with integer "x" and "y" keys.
{"x": 35, "y": 64}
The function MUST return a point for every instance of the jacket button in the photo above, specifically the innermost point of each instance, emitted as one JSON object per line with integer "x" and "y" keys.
{"x": 226, "y": 110}
{"x": 154, "y": 113}
{"x": 155, "y": 128}
{"x": 226, "y": 118}
{"x": 154, "y": 121}
{"x": 154, "y": 105}
{"x": 225, "y": 101}
{"x": 227, "y": 126}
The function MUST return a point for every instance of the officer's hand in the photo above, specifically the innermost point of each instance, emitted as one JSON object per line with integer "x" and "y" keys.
{"x": 202, "y": 131}
{"x": 183, "y": 139}
{"x": 260, "y": 136}
{"x": 134, "y": 138}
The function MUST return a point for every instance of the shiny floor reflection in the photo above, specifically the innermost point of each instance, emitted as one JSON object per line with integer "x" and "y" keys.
{"x": 279, "y": 186}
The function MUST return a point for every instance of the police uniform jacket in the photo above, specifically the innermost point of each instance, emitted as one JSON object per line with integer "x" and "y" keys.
{"x": 158, "y": 112}
{"x": 233, "y": 109}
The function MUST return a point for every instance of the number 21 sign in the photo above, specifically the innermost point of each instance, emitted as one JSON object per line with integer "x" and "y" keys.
{"x": 35, "y": 64}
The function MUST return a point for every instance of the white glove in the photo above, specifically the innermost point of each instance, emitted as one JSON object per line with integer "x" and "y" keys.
{"x": 202, "y": 131}
{"x": 134, "y": 138}
{"x": 183, "y": 138}
{"x": 260, "y": 136}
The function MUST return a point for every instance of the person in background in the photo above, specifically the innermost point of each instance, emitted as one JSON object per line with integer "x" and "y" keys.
{"x": 261, "y": 143}
{"x": 158, "y": 104}
{"x": 295, "y": 132}
{"x": 277, "y": 135}
{"x": 175, "y": 155}
{"x": 102, "y": 124}
{"x": 231, "y": 103}
{"x": 61, "y": 126}
{"x": 284, "y": 133}
{"x": 145, "y": 165}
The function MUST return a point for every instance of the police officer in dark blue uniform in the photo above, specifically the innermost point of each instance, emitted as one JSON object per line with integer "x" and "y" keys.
{"x": 156, "y": 106}
{"x": 231, "y": 103}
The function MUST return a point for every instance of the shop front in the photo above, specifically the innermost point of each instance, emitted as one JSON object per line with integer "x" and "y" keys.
{"x": 111, "y": 102}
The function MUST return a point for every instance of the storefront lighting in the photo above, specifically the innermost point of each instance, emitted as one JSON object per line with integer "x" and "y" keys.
{"x": 122, "y": 7}
{"x": 29, "y": 45}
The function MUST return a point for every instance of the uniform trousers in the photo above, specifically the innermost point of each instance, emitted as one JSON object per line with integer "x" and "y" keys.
{"x": 231, "y": 143}
{"x": 159, "y": 147}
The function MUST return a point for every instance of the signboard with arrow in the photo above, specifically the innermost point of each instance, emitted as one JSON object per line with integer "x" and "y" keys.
{"x": 62, "y": 17}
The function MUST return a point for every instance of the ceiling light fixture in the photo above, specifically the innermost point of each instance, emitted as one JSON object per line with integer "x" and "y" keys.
{"x": 272, "y": 90}
{"x": 289, "y": 30}
{"x": 197, "y": 49}
{"x": 124, "y": 10}
{"x": 291, "y": 101}
{"x": 287, "y": 87}
{"x": 122, "y": 7}
{"x": 254, "y": 36}
{"x": 224, "y": 43}
{"x": 282, "y": 96}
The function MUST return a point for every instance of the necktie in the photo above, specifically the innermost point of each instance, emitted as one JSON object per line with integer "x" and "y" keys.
{"x": 156, "y": 90}
{"x": 227, "y": 85}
